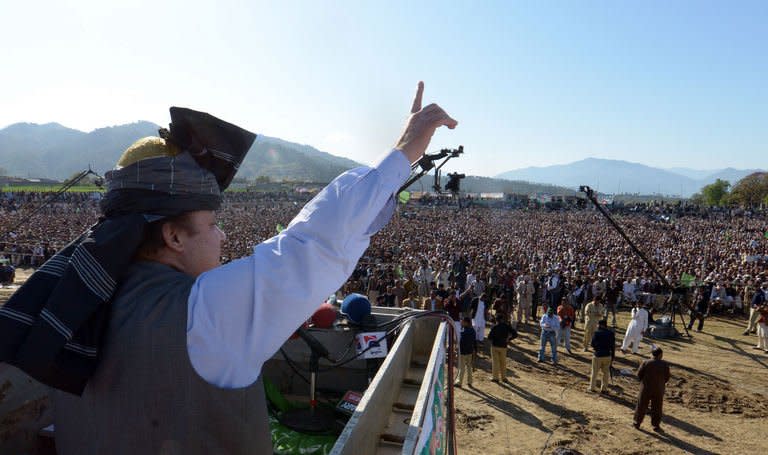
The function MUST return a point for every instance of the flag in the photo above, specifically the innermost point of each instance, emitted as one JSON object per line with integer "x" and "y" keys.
{"x": 687, "y": 280}
{"x": 279, "y": 228}
{"x": 404, "y": 196}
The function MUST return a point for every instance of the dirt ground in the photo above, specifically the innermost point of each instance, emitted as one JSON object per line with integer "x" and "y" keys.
{"x": 715, "y": 402}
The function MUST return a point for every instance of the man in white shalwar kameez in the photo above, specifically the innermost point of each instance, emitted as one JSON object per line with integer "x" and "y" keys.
{"x": 423, "y": 277}
{"x": 478, "y": 320}
{"x": 636, "y": 329}
{"x": 525, "y": 290}
{"x": 443, "y": 276}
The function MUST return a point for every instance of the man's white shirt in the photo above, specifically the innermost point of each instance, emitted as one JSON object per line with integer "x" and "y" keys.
{"x": 239, "y": 314}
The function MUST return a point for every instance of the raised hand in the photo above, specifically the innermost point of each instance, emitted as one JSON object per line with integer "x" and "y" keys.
{"x": 421, "y": 126}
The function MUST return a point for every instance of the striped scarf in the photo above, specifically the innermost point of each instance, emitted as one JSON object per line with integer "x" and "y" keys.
{"x": 53, "y": 325}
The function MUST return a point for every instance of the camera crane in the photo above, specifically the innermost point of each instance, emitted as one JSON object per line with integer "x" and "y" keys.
{"x": 672, "y": 304}
{"x": 50, "y": 199}
{"x": 427, "y": 162}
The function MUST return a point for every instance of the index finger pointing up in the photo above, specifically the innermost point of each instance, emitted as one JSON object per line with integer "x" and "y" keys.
{"x": 416, "y": 107}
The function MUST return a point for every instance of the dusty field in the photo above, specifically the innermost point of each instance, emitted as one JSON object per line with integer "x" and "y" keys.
{"x": 716, "y": 401}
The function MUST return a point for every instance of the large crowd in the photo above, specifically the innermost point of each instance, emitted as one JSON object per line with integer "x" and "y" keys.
{"x": 431, "y": 249}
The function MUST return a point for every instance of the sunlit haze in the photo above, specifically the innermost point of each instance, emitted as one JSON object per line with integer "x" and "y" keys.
{"x": 663, "y": 83}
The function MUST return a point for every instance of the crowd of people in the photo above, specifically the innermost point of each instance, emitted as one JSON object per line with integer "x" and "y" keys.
{"x": 515, "y": 262}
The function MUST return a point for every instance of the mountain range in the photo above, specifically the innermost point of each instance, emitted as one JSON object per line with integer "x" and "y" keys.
{"x": 616, "y": 176}
{"x": 55, "y": 151}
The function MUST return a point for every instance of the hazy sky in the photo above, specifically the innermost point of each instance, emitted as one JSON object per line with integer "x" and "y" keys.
{"x": 665, "y": 83}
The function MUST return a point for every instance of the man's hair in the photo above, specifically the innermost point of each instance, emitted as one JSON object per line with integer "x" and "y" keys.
{"x": 657, "y": 352}
{"x": 467, "y": 320}
{"x": 153, "y": 233}
{"x": 602, "y": 323}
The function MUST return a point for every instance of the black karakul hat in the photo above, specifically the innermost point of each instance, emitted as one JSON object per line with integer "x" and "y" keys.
{"x": 216, "y": 145}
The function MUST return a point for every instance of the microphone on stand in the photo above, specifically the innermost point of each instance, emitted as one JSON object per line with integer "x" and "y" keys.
{"x": 313, "y": 419}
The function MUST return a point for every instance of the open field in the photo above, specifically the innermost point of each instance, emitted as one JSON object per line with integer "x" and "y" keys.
{"x": 716, "y": 401}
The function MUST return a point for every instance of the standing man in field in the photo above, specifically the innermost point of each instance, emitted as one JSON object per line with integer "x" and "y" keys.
{"x": 567, "y": 315}
{"x": 179, "y": 369}
{"x": 758, "y": 299}
{"x": 593, "y": 313}
{"x": 635, "y": 329}
{"x": 467, "y": 348}
{"x": 604, "y": 350}
{"x": 479, "y": 310}
{"x": 550, "y": 327}
{"x": 525, "y": 291}
{"x": 653, "y": 375}
{"x": 500, "y": 334}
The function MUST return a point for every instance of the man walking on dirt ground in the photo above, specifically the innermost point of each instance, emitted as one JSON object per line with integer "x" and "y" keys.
{"x": 500, "y": 335}
{"x": 604, "y": 346}
{"x": 653, "y": 375}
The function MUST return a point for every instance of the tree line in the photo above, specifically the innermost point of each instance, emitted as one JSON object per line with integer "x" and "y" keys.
{"x": 749, "y": 192}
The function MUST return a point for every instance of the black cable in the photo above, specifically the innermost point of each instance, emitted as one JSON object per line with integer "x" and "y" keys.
{"x": 411, "y": 316}
{"x": 401, "y": 320}
{"x": 407, "y": 314}
{"x": 293, "y": 366}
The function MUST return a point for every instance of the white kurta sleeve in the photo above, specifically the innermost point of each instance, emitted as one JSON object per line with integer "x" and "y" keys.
{"x": 239, "y": 314}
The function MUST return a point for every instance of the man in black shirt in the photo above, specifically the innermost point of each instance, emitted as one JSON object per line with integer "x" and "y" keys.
{"x": 604, "y": 346}
{"x": 466, "y": 351}
{"x": 500, "y": 335}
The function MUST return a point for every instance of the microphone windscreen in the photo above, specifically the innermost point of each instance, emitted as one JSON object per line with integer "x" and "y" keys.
{"x": 356, "y": 307}
{"x": 324, "y": 316}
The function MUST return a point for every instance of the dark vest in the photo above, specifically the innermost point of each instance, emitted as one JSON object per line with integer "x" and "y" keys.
{"x": 145, "y": 397}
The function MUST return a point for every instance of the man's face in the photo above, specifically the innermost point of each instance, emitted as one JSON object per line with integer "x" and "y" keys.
{"x": 202, "y": 244}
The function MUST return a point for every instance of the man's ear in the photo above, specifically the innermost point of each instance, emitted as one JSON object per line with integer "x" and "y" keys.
{"x": 171, "y": 237}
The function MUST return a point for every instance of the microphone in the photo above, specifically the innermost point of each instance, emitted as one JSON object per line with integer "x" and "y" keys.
{"x": 356, "y": 307}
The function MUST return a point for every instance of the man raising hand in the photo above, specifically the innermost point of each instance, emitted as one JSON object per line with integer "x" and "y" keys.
{"x": 187, "y": 337}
